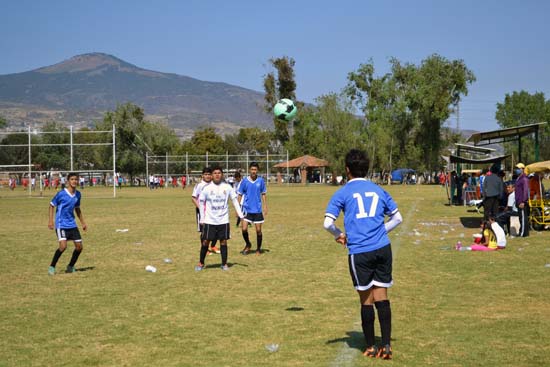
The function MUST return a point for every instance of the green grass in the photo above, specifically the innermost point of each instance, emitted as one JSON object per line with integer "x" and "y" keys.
{"x": 449, "y": 308}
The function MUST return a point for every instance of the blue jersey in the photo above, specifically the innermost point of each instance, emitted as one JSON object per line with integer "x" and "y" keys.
{"x": 252, "y": 192}
{"x": 365, "y": 206}
{"x": 65, "y": 203}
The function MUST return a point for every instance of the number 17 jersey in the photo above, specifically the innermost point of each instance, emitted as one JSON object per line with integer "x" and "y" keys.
{"x": 365, "y": 206}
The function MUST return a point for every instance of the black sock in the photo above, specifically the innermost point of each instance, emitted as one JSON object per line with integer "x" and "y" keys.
{"x": 367, "y": 322}
{"x": 204, "y": 250}
{"x": 56, "y": 257}
{"x": 238, "y": 221}
{"x": 213, "y": 243}
{"x": 76, "y": 254}
{"x": 259, "y": 241}
{"x": 224, "y": 254}
{"x": 246, "y": 239}
{"x": 384, "y": 317}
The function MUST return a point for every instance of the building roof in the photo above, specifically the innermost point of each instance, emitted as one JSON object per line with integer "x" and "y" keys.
{"x": 503, "y": 135}
{"x": 303, "y": 161}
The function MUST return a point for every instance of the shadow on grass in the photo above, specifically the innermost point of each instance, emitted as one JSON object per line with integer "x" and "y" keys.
{"x": 356, "y": 340}
{"x": 470, "y": 222}
{"x": 218, "y": 265}
{"x": 294, "y": 308}
{"x": 85, "y": 268}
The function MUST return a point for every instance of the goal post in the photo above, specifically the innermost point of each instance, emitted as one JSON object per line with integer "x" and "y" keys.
{"x": 191, "y": 166}
{"x": 57, "y": 140}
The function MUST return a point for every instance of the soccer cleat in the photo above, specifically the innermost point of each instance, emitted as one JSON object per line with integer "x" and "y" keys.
{"x": 385, "y": 352}
{"x": 371, "y": 352}
{"x": 258, "y": 252}
{"x": 70, "y": 269}
{"x": 215, "y": 249}
{"x": 225, "y": 267}
{"x": 199, "y": 267}
{"x": 51, "y": 270}
{"x": 208, "y": 253}
{"x": 245, "y": 250}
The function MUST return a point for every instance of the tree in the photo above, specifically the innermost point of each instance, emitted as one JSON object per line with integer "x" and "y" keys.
{"x": 280, "y": 84}
{"x": 341, "y": 130}
{"x": 207, "y": 140}
{"x": 522, "y": 108}
{"x": 54, "y": 157}
{"x": 252, "y": 140}
{"x": 308, "y": 136}
{"x": 408, "y": 106}
{"x": 3, "y": 122}
{"x": 135, "y": 137}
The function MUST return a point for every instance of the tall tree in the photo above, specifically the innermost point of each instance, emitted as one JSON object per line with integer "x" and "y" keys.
{"x": 3, "y": 122}
{"x": 207, "y": 140}
{"x": 523, "y": 108}
{"x": 412, "y": 102}
{"x": 341, "y": 130}
{"x": 278, "y": 84}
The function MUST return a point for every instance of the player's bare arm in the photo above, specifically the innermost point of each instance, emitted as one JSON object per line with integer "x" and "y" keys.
{"x": 81, "y": 218}
{"x": 50, "y": 221}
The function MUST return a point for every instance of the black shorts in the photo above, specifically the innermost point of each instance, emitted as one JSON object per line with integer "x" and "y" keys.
{"x": 213, "y": 232}
{"x": 254, "y": 218}
{"x": 371, "y": 268}
{"x": 68, "y": 234}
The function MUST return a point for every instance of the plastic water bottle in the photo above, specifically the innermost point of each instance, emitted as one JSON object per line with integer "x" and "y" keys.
{"x": 458, "y": 246}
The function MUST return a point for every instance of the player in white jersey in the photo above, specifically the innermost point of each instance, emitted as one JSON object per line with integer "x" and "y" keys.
{"x": 206, "y": 179}
{"x": 214, "y": 215}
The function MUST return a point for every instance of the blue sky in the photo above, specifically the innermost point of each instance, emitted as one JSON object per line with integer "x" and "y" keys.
{"x": 505, "y": 43}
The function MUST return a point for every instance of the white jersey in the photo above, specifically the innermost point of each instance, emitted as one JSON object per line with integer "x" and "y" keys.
{"x": 198, "y": 188}
{"x": 499, "y": 234}
{"x": 214, "y": 203}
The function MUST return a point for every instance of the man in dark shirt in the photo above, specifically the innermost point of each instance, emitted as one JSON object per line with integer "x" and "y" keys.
{"x": 493, "y": 187}
{"x": 522, "y": 200}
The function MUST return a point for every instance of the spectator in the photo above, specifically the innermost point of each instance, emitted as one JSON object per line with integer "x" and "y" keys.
{"x": 522, "y": 200}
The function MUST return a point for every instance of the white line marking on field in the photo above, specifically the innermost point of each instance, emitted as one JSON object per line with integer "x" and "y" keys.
{"x": 346, "y": 355}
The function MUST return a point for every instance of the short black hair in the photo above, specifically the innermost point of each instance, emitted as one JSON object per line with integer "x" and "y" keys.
{"x": 217, "y": 168}
{"x": 206, "y": 169}
{"x": 71, "y": 174}
{"x": 357, "y": 163}
{"x": 238, "y": 174}
{"x": 254, "y": 164}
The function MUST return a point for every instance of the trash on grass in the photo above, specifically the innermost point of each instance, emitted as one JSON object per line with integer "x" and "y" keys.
{"x": 122, "y": 230}
{"x": 272, "y": 347}
{"x": 151, "y": 269}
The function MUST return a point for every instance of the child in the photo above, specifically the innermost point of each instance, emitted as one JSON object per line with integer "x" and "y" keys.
{"x": 492, "y": 237}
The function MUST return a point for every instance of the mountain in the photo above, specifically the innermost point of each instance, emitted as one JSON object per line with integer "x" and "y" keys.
{"x": 79, "y": 90}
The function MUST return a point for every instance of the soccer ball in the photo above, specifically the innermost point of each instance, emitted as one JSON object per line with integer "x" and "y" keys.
{"x": 285, "y": 109}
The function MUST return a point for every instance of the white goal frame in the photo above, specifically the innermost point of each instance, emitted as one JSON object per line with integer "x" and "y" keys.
{"x": 71, "y": 144}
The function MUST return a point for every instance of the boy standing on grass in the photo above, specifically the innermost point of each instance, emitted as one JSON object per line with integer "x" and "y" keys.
{"x": 214, "y": 215}
{"x": 205, "y": 180}
{"x": 365, "y": 206}
{"x": 67, "y": 202}
{"x": 252, "y": 195}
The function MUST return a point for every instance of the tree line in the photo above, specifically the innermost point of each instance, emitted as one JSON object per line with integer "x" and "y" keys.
{"x": 397, "y": 117}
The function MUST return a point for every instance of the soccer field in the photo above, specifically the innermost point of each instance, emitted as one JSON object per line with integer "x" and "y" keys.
{"x": 449, "y": 308}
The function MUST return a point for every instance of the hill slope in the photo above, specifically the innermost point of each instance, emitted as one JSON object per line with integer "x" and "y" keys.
{"x": 82, "y": 88}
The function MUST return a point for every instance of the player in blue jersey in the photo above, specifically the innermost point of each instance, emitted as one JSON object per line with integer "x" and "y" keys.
{"x": 252, "y": 196}
{"x": 67, "y": 202}
{"x": 366, "y": 206}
